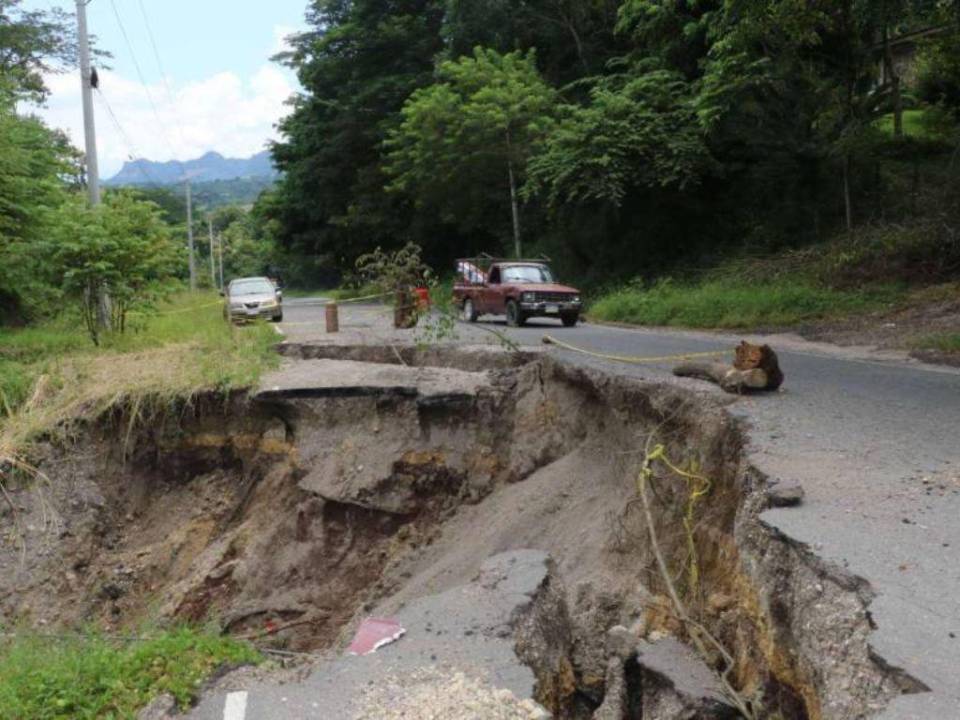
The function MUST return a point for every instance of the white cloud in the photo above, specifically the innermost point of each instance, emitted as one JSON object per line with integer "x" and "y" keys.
{"x": 223, "y": 113}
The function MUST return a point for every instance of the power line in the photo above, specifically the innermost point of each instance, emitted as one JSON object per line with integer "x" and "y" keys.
{"x": 143, "y": 82}
{"x": 132, "y": 153}
{"x": 163, "y": 75}
{"x": 163, "y": 130}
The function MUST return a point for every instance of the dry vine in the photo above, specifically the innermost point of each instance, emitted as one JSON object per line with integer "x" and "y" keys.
{"x": 700, "y": 636}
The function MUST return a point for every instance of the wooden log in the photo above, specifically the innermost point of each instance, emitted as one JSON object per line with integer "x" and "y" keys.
{"x": 756, "y": 367}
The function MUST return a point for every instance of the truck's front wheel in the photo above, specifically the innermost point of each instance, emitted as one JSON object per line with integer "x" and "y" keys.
{"x": 468, "y": 312}
{"x": 515, "y": 316}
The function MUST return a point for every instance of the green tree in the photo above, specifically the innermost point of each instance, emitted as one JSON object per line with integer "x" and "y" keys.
{"x": 170, "y": 199}
{"x": 357, "y": 65}
{"x": 33, "y": 162}
{"x": 573, "y": 38}
{"x": 123, "y": 246}
{"x": 939, "y": 61}
{"x": 471, "y": 131}
{"x": 637, "y": 131}
{"x": 34, "y": 43}
{"x": 246, "y": 251}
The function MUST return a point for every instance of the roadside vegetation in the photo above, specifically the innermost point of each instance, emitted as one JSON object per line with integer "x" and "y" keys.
{"x": 629, "y": 140}
{"x": 51, "y": 372}
{"x": 882, "y": 269}
{"x": 944, "y": 342}
{"x": 93, "y": 676}
{"x": 625, "y": 139}
{"x": 347, "y": 291}
{"x": 908, "y": 257}
{"x": 93, "y": 311}
{"x": 733, "y": 303}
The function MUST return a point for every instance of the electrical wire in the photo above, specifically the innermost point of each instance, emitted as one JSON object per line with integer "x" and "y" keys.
{"x": 132, "y": 152}
{"x": 143, "y": 82}
{"x": 163, "y": 75}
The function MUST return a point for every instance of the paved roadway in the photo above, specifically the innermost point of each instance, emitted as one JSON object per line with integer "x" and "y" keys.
{"x": 873, "y": 438}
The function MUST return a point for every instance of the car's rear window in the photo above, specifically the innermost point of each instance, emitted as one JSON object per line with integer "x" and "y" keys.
{"x": 251, "y": 287}
{"x": 527, "y": 274}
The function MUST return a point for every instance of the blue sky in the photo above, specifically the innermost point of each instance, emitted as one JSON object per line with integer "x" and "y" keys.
{"x": 220, "y": 93}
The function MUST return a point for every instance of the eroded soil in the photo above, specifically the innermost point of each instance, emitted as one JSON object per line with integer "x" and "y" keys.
{"x": 286, "y": 514}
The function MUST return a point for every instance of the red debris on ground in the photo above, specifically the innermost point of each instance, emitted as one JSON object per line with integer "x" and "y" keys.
{"x": 373, "y": 634}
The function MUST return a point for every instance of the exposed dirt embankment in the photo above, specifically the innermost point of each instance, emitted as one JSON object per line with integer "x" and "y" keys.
{"x": 369, "y": 477}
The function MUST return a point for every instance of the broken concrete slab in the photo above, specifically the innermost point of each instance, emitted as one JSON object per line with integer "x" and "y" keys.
{"x": 676, "y": 683}
{"x": 468, "y": 629}
{"x": 352, "y": 454}
{"x": 348, "y": 378}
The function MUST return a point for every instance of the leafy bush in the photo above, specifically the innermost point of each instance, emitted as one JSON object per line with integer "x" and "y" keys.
{"x": 94, "y": 677}
{"x": 394, "y": 271}
{"x": 938, "y": 70}
{"x": 121, "y": 247}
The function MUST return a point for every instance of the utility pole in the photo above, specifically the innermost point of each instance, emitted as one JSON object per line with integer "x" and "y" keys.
{"x": 220, "y": 252}
{"x": 90, "y": 144}
{"x": 213, "y": 260}
{"x": 193, "y": 265}
{"x": 86, "y": 89}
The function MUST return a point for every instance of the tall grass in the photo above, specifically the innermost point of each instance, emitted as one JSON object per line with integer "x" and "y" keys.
{"x": 73, "y": 678}
{"x": 730, "y": 303}
{"x": 53, "y": 373}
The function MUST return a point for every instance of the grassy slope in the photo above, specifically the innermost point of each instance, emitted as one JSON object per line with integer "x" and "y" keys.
{"x": 886, "y": 267}
{"x": 53, "y": 372}
{"x": 905, "y": 257}
{"x": 43, "y": 678}
{"x": 734, "y": 303}
{"x": 944, "y": 342}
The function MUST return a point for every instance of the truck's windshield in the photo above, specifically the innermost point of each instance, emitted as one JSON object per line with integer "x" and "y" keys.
{"x": 527, "y": 274}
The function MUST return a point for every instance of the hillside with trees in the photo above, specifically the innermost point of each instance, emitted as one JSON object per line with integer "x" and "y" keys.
{"x": 813, "y": 144}
{"x": 624, "y": 138}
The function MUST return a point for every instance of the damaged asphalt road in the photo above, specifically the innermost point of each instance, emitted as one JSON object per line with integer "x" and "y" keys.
{"x": 873, "y": 441}
{"x": 468, "y": 629}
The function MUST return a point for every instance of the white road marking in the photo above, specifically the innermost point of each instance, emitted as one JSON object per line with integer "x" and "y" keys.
{"x": 235, "y": 707}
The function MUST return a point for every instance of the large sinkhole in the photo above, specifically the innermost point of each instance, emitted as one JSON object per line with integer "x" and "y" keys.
{"x": 374, "y": 475}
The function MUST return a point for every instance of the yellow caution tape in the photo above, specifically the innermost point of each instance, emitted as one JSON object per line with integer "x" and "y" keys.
{"x": 359, "y": 299}
{"x": 180, "y": 310}
{"x": 632, "y": 359}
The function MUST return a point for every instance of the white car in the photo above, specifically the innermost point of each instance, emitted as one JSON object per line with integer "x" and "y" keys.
{"x": 253, "y": 298}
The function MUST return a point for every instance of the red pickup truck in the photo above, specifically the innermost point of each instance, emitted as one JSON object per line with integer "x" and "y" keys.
{"x": 519, "y": 289}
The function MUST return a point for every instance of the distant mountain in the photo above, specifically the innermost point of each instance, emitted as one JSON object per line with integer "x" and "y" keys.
{"x": 212, "y": 166}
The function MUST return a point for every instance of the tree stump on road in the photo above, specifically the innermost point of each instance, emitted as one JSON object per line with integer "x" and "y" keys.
{"x": 756, "y": 367}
